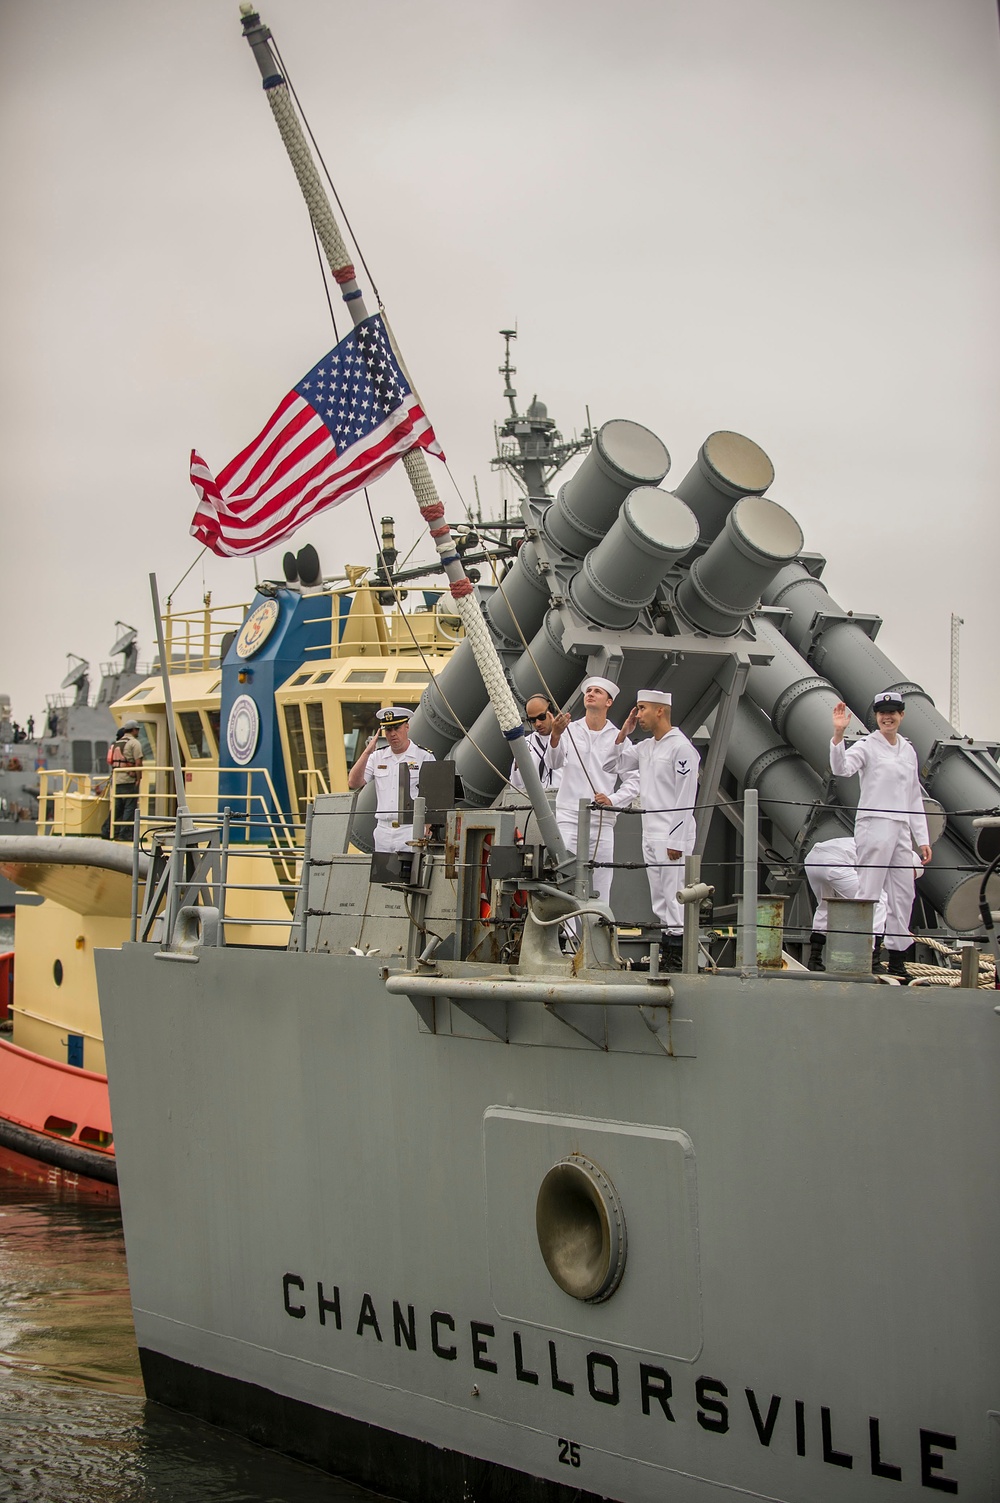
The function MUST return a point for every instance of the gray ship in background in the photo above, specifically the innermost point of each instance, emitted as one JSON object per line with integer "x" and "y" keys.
{"x": 73, "y": 738}
{"x": 435, "y": 1205}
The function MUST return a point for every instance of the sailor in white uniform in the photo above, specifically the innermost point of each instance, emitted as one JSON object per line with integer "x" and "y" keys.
{"x": 890, "y": 819}
{"x": 538, "y": 712}
{"x": 832, "y": 872}
{"x": 667, "y": 765}
{"x": 384, "y": 766}
{"x": 580, "y": 751}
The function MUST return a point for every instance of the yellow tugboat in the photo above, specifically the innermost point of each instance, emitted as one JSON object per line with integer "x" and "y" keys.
{"x": 271, "y": 704}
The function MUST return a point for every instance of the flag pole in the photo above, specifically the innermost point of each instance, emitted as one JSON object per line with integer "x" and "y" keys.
{"x": 418, "y": 473}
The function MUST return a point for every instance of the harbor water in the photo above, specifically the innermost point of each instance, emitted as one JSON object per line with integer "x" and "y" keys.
{"x": 74, "y": 1424}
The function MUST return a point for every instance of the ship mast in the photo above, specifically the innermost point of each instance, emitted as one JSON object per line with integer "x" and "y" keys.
{"x": 415, "y": 463}
{"x": 530, "y": 447}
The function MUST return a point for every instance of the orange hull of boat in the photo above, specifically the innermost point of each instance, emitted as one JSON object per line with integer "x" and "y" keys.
{"x": 55, "y": 1112}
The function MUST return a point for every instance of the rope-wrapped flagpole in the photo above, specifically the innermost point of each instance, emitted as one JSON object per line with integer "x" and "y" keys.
{"x": 415, "y": 464}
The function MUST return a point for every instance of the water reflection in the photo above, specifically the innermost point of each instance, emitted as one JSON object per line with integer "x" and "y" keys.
{"x": 75, "y": 1426}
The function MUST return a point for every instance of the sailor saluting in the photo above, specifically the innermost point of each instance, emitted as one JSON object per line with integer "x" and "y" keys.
{"x": 388, "y": 767}
{"x": 890, "y": 817}
{"x": 667, "y": 765}
{"x": 583, "y": 775}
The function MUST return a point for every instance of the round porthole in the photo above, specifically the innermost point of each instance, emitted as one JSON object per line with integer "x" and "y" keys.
{"x": 581, "y": 1229}
{"x": 57, "y": 972}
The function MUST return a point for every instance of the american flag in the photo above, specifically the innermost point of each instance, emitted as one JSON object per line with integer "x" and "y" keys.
{"x": 340, "y": 428}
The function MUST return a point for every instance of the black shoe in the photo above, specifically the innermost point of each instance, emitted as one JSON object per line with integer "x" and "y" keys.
{"x": 817, "y": 944}
{"x": 897, "y": 966}
{"x": 671, "y": 952}
{"x": 877, "y": 952}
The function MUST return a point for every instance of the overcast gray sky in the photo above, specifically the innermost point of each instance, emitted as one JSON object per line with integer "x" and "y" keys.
{"x": 778, "y": 216}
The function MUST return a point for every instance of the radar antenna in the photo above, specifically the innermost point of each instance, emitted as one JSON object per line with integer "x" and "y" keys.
{"x": 124, "y": 641}
{"x": 531, "y": 446}
{"x": 78, "y": 678}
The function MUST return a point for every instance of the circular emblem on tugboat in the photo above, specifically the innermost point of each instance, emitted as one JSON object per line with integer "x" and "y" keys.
{"x": 243, "y": 730}
{"x": 256, "y": 629}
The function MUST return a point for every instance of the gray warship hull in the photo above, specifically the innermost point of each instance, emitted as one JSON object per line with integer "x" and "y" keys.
{"x": 330, "y": 1222}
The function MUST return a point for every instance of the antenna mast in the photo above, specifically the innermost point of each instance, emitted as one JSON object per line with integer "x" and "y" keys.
{"x": 953, "y": 710}
{"x": 530, "y": 446}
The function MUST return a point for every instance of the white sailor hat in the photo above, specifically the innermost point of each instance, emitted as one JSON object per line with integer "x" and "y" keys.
{"x": 652, "y": 697}
{"x": 393, "y": 715}
{"x": 607, "y": 684}
{"x": 890, "y": 699}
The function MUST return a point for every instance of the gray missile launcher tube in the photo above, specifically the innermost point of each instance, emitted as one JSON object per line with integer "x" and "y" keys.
{"x": 590, "y": 499}
{"x": 652, "y": 532}
{"x": 624, "y": 455}
{"x": 520, "y": 600}
{"x": 619, "y": 577}
{"x": 483, "y": 758}
{"x": 788, "y": 788}
{"x": 840, "y": 646}
{"x": 729, "y": 466}
{"x": 757, "y": 539}
{"x": 799, "y": 703}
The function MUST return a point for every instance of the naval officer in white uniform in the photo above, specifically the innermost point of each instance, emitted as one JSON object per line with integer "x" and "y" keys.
{"x": 539, "y": 714}
{"x": 667, "y": 767}
{"x": 580, "y": 751}
{"x": 383, "y": 766}
{"x": 890, "y": 820}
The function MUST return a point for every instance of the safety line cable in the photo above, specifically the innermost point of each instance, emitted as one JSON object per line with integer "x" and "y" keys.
{"x": 324, "y": 277}
{"x": 423, "y": 658}
{"x": 326, "y": 171}
{"x": 184, "y": 576}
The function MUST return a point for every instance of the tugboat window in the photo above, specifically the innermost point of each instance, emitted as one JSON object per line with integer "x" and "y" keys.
{"x": 413, "y": 678}
{"x": 195, "y": 735}
{"x": 297, "y": 749}
{"x": 366, "y": 676}
{"x": 317, "y": 737}
{"x": 215, "y": 722}
{"x": 148, "y": 755}
{"x": 359, "y": 724}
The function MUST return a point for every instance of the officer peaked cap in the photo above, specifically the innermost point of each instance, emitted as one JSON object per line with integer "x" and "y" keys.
{"x": 393, "y": 715}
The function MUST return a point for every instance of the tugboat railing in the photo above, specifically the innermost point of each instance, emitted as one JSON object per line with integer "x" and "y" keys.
{"x": 76, "y": 803}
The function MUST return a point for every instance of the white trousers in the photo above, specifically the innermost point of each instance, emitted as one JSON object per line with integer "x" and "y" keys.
{"x": 833, "y": 881}
{"x": 666, "y": 878}
{"x": 602, "y": 848}
{"x": 388, "y": 839}
{"x": 885, "y": 861}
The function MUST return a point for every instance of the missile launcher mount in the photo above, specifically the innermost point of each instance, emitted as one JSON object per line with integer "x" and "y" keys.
{"x": 704, "y": 590}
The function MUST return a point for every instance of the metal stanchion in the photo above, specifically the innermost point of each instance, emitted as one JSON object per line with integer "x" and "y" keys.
{"x": 748, "y": 920}
{"x": 691, "y": 895}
